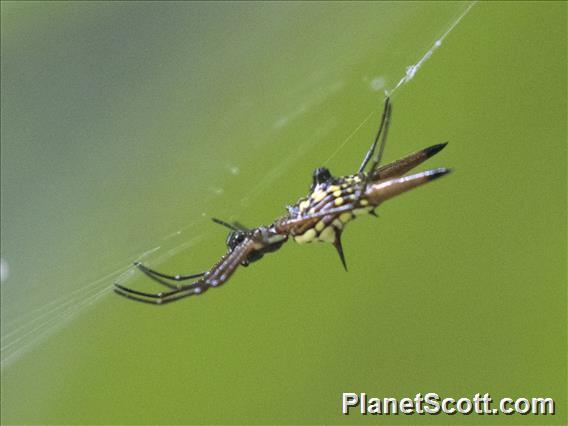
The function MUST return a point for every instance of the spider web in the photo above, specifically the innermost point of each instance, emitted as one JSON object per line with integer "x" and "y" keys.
{"x": 30, "y": 328}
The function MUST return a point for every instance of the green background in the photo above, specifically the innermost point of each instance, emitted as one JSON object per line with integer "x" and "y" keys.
{"x": 125, "y": 126}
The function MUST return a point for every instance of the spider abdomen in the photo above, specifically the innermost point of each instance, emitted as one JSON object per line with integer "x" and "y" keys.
{"x": 322, "y": 231}
{"x": 325, "y": 230}
{"x": 328, "y": 196}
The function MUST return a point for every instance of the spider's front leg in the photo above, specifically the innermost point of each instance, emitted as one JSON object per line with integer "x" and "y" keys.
{"x": 217, "y": 275}
{"x": 247, "y": 247}
{"x": 153, "y": 273}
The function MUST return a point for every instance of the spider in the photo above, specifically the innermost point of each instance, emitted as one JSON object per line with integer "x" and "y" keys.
{"x": 320, "y": 216}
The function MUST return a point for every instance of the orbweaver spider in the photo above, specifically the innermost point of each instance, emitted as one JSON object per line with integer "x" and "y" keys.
{"x": 320, "y": 216}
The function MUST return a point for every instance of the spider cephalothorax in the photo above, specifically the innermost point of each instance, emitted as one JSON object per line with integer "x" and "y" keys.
{"x": 269, "y": 240}
{"x": 320, "y": 216}
{"x": 235, "y": 238}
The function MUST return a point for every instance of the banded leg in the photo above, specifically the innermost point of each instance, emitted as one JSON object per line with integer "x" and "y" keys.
{"x": 228, "y": 264}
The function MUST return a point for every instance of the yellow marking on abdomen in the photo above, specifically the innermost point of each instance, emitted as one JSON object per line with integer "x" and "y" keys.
{"x": 362, "y": 211}
{"x": 345, "y": 217}
{"x": 306, "y": 237}
{"x": 318, "y": 195}
{"x": 328, "y": 235}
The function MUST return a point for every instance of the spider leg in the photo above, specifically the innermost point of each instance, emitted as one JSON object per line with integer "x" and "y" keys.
{"x": 163, "y": 297}
{"x": 152, "y": 272}
{"x": 218, "y": 275}
{"x": 240, "y": 226}
{"x": 227, "y": 265}
{"x": 163, "y": 282}
{"x": 235, "y": 226}
{"x": 385, "y": 119}
{"x": 400, "y": 167}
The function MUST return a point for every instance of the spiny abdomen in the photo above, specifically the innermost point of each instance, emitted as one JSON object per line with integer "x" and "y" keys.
{"x": 345, "y": 192}
{"x": 325, "y": 229}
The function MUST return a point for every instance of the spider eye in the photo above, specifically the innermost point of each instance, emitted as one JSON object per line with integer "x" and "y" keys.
{"x": 321, "y": 175}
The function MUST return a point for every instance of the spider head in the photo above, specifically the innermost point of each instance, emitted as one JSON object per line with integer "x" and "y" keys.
{"x": 321, "y": 175}
{"x": 235, "y": 238}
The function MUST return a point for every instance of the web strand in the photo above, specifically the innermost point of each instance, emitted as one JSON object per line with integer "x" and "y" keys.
{"x": 411, "y": 70}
